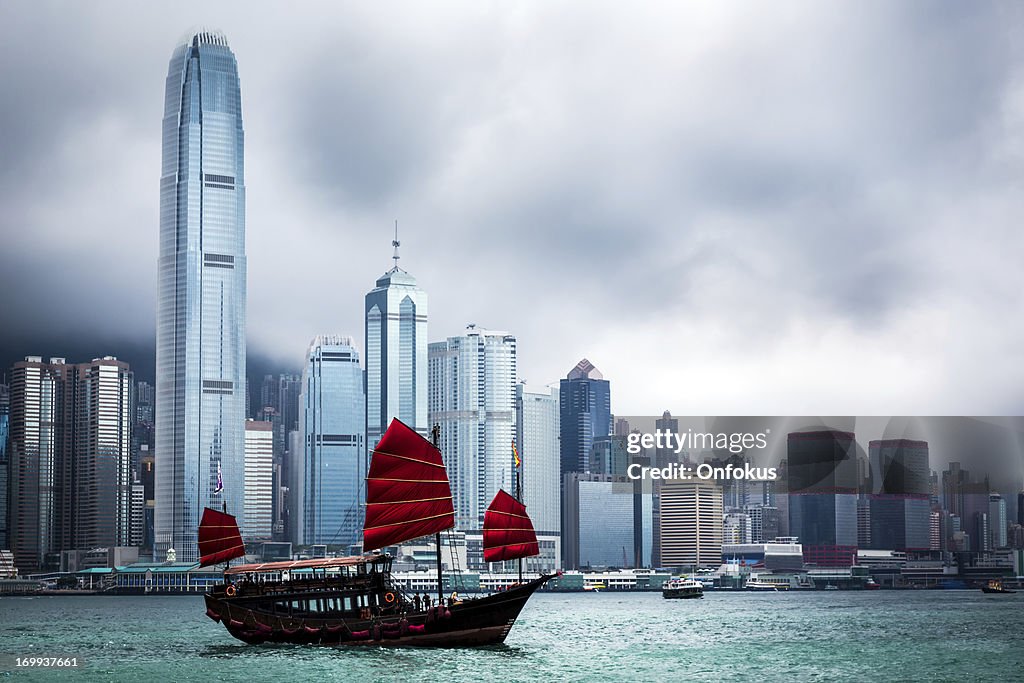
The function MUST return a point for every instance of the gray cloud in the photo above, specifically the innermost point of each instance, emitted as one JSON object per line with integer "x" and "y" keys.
{"x": 799, "y": 209}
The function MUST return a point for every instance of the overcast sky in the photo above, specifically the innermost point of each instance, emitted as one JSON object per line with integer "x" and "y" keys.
{"x": 756, "y": 208}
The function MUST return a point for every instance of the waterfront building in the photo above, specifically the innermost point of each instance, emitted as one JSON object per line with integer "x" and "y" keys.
{"x": 537, "y": 438}
{"x": 259, "y": 457}
{"x": 330, "y": 475}
{"x": 784, "y": 555}
{"x": 823, "y": 483}
{"x": 201, "y": 298}
{"x": 899, "y": 503}
{"x": 601, "y": 515}
{"x": 997, "y": 520}
{"x": 396, "y": 353}
{"x": 472, "y": 398}
{"x": 691, "y": 523}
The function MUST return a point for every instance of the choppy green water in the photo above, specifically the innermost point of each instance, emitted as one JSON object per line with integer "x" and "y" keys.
{"x": 822, "y": 636}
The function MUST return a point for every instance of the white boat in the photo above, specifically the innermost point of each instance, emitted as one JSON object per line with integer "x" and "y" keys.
{"x": 676, "y": 589}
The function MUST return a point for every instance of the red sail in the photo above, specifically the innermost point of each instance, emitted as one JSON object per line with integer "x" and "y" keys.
{"x": 407, "y": 490}
{"x": 219, "y": 539}
{"x": 508, "y": 531}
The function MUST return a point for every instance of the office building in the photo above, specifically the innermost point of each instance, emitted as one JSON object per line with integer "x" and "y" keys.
{"x": 899, "y": 503}
{"x": 396, "y": 353}
{"x": 259, "y": 458}
{"x": 691, "y": 523}
{"x": 472, "y": 398}
{"x": 823, "y": 483}
{"x": 537, "y": 441}
{"x": 329, "y": 477}
{"x": 200, "y": 340}
{"x": 585, "y": 414}
{"x": 608, "y": 523}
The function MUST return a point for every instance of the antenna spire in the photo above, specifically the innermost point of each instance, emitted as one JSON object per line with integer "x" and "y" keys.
{"x": 395, "y": 243}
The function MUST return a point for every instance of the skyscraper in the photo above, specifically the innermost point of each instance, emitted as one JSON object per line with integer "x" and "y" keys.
{"x": 997, "y": 520}
{"x": 330, "y": 470}
{"x": 200, "y": 341}
{"x": 822, "y": 473}
{"x": 537, "y": 441}
{"x": 5, "y": 410}
{"x": 472, "y": 396}
{"x": 585, "y": 404}
{"x": 104, "y": 510}
{"x": 40, "y": 453}
{"x": 70, "y": 458}
{"x": 396, "y": 353}
{"x": 259, "y": 456}
{"x": 691, "y": 523}
{"x": 899, "y": 503}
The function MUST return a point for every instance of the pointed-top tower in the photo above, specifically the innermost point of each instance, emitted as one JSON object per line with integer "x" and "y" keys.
{"x": 396, "y": 352}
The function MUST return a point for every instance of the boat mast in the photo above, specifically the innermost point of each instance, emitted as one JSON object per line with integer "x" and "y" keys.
{"x": 435, "y": 435}
{"x": 519, "y": 497}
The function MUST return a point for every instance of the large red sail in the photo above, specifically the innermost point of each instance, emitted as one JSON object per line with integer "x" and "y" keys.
{"x": 219, "y": 538}
{"x": 508, "y": 531}
{"x": 407, "y": 490}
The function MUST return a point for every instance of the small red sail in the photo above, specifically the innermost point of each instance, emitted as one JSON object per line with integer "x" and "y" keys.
{"x": 407, "y": 490}
{"x": 508, "y": 531}
{"x": 219, "y": 538}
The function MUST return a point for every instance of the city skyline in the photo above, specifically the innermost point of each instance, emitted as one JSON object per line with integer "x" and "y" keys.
{"x": 824, "y": 251}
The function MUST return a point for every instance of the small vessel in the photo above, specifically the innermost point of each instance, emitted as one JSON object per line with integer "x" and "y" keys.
{"x": 594, "y": 587}
{"x": 995, "y": 586}
{"x": 353, "y": 600}
{"x": 872, "y": 585}
{"x": 831, "y": 587}
{"x": 757, "y": 583}
{"x": 676, "y": 589}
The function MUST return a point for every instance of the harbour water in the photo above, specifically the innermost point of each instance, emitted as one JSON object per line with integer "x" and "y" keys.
{"x": 813, "y": 636}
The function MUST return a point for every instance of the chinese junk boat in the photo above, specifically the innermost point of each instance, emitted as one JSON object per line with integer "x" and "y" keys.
{"x": 352, "y": 600}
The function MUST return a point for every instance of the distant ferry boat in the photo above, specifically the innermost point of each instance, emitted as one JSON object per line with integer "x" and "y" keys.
{"x": 758, "y": 583}
{"x": 995, "y": 586}
{"x": 676, "y": 589}
{"x": 594, "y": 587}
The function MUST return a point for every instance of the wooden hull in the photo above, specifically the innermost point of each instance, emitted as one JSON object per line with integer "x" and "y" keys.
{"x": 470, "y": 623}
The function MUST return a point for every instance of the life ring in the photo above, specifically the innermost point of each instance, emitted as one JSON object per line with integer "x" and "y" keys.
{"x": 230, "y": 592}
{"x": 389, "y": 597}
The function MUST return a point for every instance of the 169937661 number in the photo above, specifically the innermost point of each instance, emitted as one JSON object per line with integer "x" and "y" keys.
{"x": 40, "y": 662}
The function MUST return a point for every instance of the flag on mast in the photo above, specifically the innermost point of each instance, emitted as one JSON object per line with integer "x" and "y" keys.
{"x": 220, "y": 480}
{"x": 515, "y": 454}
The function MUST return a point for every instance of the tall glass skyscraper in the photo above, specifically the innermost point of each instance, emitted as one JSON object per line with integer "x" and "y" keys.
{"x": 473, "y": 399}
{"x": 328, "y": 474}
{"x": 200, "y": 341}
{"x": 396, "y": 354}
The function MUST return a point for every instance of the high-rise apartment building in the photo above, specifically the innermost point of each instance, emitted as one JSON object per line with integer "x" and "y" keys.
{"x": 200, "y": 342}
{"x": 396, "y": 354}
{"x": 328, "y": 474}
{"x": 472, "y": 397}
